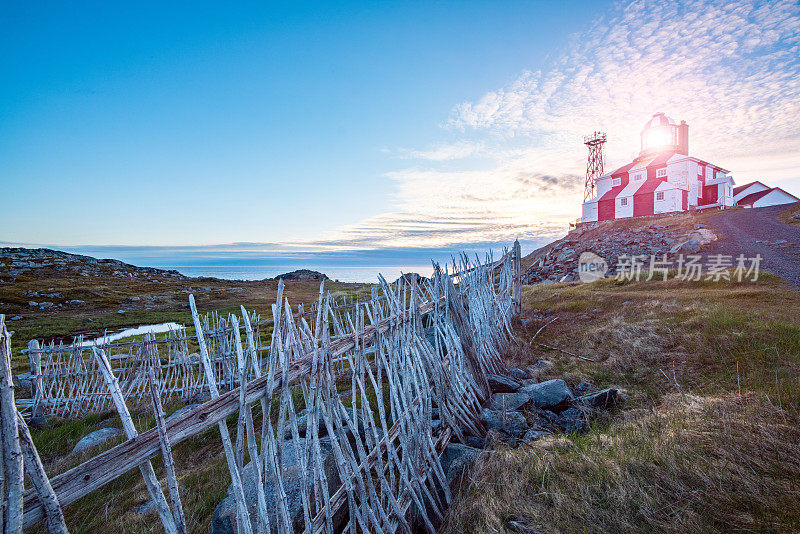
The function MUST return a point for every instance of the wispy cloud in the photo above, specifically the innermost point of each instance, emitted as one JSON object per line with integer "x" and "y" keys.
{"x": 444, "y": 151}
{"x": 730, "y": 69}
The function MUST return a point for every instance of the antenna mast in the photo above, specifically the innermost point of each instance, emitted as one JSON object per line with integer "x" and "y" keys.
{"x": 594, "y": 165}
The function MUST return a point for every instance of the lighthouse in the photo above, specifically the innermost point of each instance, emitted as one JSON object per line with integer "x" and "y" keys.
{"x": 662, "y": 134}
{"x": 664, "y": 178}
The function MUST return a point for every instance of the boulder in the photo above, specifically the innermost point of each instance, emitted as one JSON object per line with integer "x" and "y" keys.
{"x": 505, "y": 402}
{"x": 146, "y": 508}
{"x": 690, "y": 246}
{"x": 539, "y": 368}
{"x": 475, "y": 441}
{"x": 703, "y": 236}
{"x": 508, "y": 423}
{"x": 503, "y": 384}
{"x": 533, "y": 434}
{"x": 518, "y": 374}
{"x": 224, "y": 519}
{"x": 602, "y": 399}
{"x": 456, "y": 458}
{"x": 572, "y": 420}
{"x": 550, "y": 394}
{"x": 98, "y": 437}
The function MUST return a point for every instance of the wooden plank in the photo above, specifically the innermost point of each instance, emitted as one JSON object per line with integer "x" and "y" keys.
{"x": 230, "y": 456}
{"x": 33, "y": 464}
{"x": 148, "y": 474}
{"x": 166, "y": 454}
{"x": 12, "y": 452}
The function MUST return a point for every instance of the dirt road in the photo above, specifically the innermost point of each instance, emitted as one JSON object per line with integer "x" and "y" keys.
{"x": 758, "y": 231}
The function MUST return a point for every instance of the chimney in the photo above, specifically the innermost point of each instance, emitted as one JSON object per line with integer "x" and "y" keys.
{"x": 683, "y": 138}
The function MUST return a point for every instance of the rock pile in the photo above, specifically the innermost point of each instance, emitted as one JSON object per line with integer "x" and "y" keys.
{"x": 530, "y": 409}
{"x": 558, "y": 261}
{"x": 520, "y": 409}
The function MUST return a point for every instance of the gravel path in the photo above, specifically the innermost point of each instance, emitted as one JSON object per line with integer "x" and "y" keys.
{"x": 758, "y": 231}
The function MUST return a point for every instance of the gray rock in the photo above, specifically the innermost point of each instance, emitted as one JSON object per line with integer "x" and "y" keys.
{"x": 506, "y": 402}
{"x": 515, "y": 525}
{"x": 690, "y": 246}
{"x": 503, "y": 384}
{"x": 602, "y": 399}
{"x": 533, "y": 434}
{"x": 517, "y": 373}
{"x": 549, "y": 394}
{"x": 224, "y": 519}
{"x": 98, "y": 437}
{"x": 475, "y": 441}
{"x": 456, "y": 458}
{"x": 581, "y": 388}
{"x": 508, "y": 423}
{"x": 572, "y": 420}
{"x": 539, "y": 368}
{"x": 146, "y": 508}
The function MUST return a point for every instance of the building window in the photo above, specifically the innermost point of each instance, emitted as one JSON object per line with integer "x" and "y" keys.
{"x": 661, "y": 173}
{"x": 638, "y": 177}
{"x": 616, "y": 181}
{"x": 660, "y": 195}
{"x": 623, "y": 202}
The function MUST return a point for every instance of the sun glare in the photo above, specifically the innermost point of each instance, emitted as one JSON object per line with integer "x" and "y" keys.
{"x": 657, "y": 137}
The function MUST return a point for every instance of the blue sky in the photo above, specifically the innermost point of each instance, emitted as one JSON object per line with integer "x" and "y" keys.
{"x": 320, "y": 127}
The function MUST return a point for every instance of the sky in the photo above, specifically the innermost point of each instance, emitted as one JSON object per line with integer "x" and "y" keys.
{"x": 294, "y": 127}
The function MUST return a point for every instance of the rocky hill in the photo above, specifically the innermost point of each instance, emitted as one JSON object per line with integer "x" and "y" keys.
{"x": 27, "y": 261}
{"x": 558, "y": 261}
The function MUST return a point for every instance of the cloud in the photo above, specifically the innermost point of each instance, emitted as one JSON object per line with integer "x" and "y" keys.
{"x": 444, "y": 152}
{"x": 730, "y": 69}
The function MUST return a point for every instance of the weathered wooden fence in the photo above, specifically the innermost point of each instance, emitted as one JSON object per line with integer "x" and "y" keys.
{"x": 66, "y": 380}
{"x": 366, "y": 434}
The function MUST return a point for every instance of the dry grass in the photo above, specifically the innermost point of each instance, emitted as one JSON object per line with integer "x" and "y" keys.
{"x": 693, "y": 465}
{"x": 687, "y": 453}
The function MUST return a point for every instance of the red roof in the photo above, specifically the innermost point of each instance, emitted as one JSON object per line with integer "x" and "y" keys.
{"x": 753, "y": 197}
{"x": 737, "y": 190}
{"x": 614, "y": 191}
{"x": 651, "y": 184}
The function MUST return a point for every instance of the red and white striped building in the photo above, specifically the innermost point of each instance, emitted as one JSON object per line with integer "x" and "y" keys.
{"x": 663, "y": 179}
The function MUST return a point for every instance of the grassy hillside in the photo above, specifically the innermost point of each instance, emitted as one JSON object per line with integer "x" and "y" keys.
{"x": 707, "y": 440}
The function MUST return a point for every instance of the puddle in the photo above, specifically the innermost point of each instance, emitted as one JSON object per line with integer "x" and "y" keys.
{"x": 129, "y": 332}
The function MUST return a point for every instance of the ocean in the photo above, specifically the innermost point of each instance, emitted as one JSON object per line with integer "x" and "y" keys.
{"x": 341, "y": 273}
{"x": 257, "y": 261}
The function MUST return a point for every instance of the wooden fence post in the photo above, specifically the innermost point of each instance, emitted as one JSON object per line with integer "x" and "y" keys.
{"x": 166, "y": 455}
{"x": 150, "y": 479}
{"x": 230, "y": 455}
{"x": 12, "y": 453}
{"x": 516, "y": 292}
{"x": 54, "y": 517}
{"x": 36, "y": 375}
